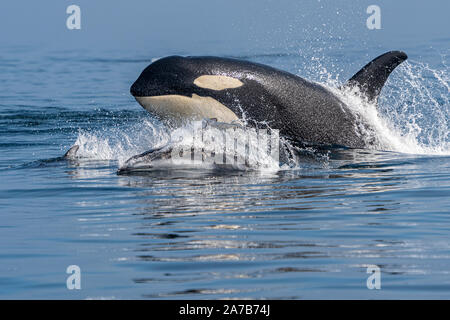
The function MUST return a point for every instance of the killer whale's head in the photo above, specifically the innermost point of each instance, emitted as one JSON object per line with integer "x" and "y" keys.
{"x": 190, "y": 87}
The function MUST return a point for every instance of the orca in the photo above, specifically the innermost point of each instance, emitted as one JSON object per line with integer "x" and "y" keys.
{"x": 178, "y": 88}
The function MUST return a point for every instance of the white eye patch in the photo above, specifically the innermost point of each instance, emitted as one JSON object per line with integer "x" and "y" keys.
{"x": 218, "y": 83}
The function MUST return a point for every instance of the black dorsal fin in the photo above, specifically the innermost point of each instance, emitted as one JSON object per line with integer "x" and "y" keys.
{"x": 372, "y": 77}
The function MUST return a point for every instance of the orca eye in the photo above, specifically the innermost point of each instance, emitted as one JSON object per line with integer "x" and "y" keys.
{"x": 217, "y": 82}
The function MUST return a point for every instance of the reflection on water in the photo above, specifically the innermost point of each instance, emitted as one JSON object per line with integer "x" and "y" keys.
{"x": 304, "y": 233}
{"x": 309, "y": 232}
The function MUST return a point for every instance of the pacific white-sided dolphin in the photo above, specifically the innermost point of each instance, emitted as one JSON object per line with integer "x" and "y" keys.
{"x": 227, "y": 89}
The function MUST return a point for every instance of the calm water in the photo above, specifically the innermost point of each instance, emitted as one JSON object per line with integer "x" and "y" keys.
{"x": 307, "y": 232}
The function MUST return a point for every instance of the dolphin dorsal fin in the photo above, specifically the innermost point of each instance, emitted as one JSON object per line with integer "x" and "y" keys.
{"x": 371, "y": 78}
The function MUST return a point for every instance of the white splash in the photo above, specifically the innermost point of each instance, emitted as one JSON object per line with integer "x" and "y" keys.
{"x": 412, "y": 117}
{"x": 124, "y": 143}
{"x": 413, "y": 110}
{"x": 114, "y": 143}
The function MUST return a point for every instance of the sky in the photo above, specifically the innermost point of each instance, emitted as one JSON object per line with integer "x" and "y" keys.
{"x": 196, "y": 26}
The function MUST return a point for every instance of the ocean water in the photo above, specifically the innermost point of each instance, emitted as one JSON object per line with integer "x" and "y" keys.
{"x": 305, "y": 231}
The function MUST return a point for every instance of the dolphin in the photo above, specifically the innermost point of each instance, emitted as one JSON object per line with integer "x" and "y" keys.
{"x": 198, "y": 87}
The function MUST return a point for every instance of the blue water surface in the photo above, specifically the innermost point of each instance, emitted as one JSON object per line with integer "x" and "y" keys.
{"x": 307, "y": 232}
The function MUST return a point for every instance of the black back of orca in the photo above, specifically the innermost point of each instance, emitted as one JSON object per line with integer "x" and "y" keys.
{"x": 303, "y": 111}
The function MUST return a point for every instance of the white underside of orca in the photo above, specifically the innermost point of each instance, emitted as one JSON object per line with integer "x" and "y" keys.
{"x": 181, "y": 108}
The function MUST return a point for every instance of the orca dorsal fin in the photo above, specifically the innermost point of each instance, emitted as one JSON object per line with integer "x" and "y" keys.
{"x": 371, "y": 78}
